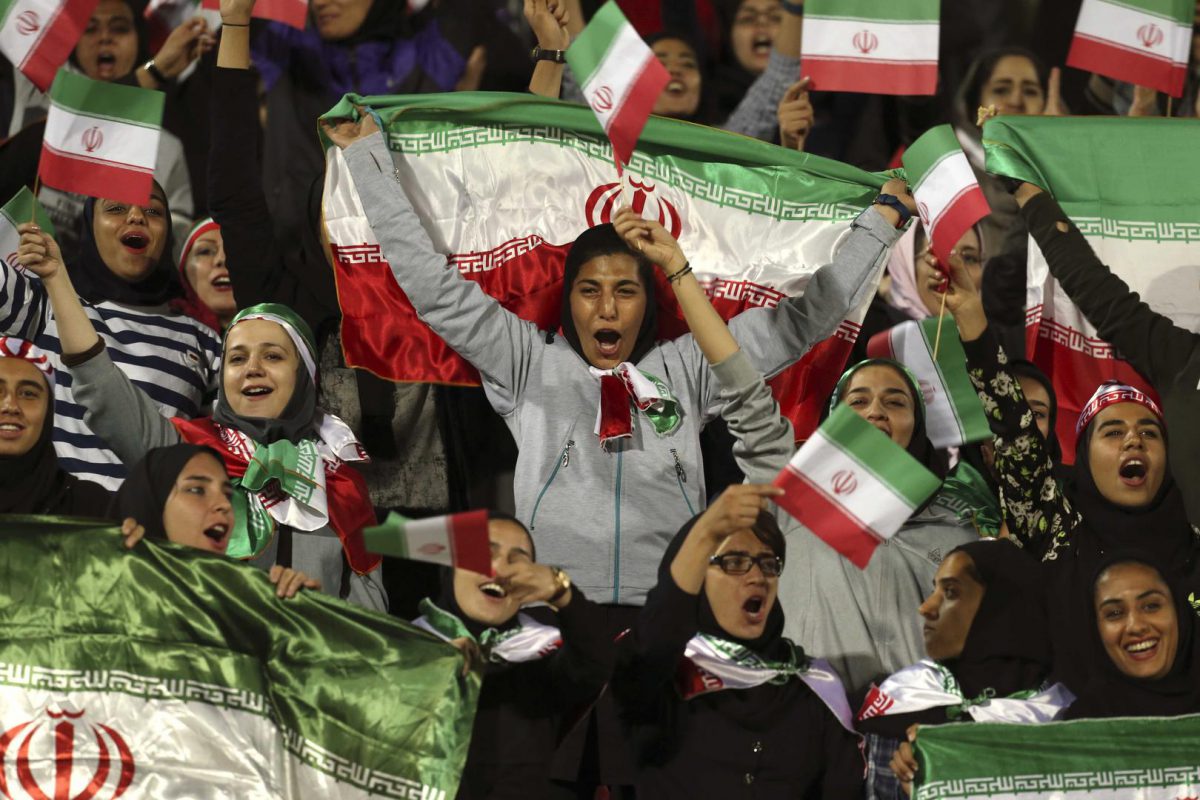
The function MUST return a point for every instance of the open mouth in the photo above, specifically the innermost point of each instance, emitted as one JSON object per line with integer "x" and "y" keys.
{"x": 755, "y": 608}
{"x": 493, "y": 590}
{"x": 608, "y": 342}
{"x": 135, "y": 241}
{"x": 11, "y": 430}
{"x": 676, "y": 87}
{"x": 1143, "y": 650}
{"x": 257, "y": 392}
{"x": 762, "y": 45}
{"x": 218, "y": 535}
{"x": 1132, "y": 472}
{"x": 106, "y": 62}
{"x": 222, "y": 283}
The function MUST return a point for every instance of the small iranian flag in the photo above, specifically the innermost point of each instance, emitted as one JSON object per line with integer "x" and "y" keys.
{"x": 619, "y": 75}
{"x": 289, "y": 12}
{"x": 853, "y": 486}
{"x": 101, "y": 138}
{"x": 871, "y": 46}
{"x": 21, "y": 208}
{"x": 949, "y": 199}
{"x": 1145, "y": 42}
{"x": 38, "y": 35}
{"x": 454, "y": 540}
{"x": 953, "y": 414}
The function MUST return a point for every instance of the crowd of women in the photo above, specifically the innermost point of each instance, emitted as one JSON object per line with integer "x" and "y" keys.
{"x": 641, "y": 632}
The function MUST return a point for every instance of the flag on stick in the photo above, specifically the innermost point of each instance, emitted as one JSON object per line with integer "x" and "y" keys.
{"x": 454, "y": 540}
{"x": 869, "y": 46}
{"x": 853, "y": 486}
{"x": 38, "y": 35}
{"x": 22, "y": 208}
{"x": 619, "y": 75}
{"x": 948, "y": 197}
{"x": 289, "y": 12}
{"x": 101, "y": 138}
{"x": 1145, "y": 42}
{"x": 953, "y": 414}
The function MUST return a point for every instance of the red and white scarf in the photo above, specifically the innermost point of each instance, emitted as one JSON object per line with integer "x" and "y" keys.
{"x": 625, "y": 383}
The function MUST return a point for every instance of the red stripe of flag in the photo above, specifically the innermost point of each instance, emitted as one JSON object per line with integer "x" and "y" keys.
{"x": 289, "y": 12}
{"x": 825, "y": 517}
{"x": 626, "y": 125}
{"x": 469, "y": 541}
{"x": 94, "y": 178}
{"x": 871, "y": 77}
{"x": 1125, "y": 64}
{"x": 59, "y": 39}
{"x": 967, "y": 208}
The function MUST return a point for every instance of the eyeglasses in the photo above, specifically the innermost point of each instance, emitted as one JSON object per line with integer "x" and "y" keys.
{"x": 740, "y": 564}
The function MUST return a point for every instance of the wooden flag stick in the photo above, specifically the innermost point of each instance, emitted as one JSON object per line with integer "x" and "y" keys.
{"x": 33, "y": 206}
{"x": 1169, "y": 99}
{"x": 937, "y": 339}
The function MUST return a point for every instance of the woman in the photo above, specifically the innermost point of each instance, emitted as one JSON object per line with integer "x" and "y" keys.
{"x": 1144, "y": 635}
{"x": 299, "y": 501}
{"x": 987, "y": 653}
{"x": 125, "y": 279}
{"x": 31, "y": 479}
{"x": 541, "y": 668}
{"x": 877, "y": 638}
{"x": 207, "y": 288}
{"x": 1120, "y": 495}
{"x": 717, "y": 701}
{"x": 183, "y": 495}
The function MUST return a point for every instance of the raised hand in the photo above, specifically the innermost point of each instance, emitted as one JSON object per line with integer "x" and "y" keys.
{"x": 345, "y": 132}
{"x": 288, "y": 581}
{"x": 795, "y": 115}
{"x": 735, "y": 509}
{"x": 549, "y": 20}
{"x": 185, "y": 44}
{"x": 132, "y": 531}
{"x": 963, "y": 300}
{"x": 1145, "y": 102}
{"x": 533, "y": 583}
{"x": 38, "y": 252}
{"x": 472, "y": 75}
{"x": 651, "y": 240}
{"x": 237, "y": 12}
{"x": 1055, "y": 107}
{"x": 898, "y": 189}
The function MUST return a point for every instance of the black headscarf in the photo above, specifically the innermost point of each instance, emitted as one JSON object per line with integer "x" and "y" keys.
{"x": 144, "y": 493}
{"x": 1007, "y": 649}
{"x": 1112, "y": 693}
{"x": 1020, "y": 368}
{"x": 603, "y": 240}
{"x": 96, "y": 282}
{"x": 386, "y": 19}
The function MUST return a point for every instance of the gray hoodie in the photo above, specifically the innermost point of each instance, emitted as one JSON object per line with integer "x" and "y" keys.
{"x": 604, "y": 517}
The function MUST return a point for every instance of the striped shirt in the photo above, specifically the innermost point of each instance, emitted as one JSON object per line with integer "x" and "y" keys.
{"x": 171, "y": 357}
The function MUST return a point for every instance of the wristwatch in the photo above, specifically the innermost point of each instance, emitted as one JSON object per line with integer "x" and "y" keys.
{"x": 155, "y": 72}
{"x": 891, "y": 201}
{"x": 557, "y": 56}
{"x": 562, "y": 582}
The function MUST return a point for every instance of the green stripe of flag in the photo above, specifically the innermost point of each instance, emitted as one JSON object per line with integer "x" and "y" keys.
{"x": 588, "y": 51}
{"x": 6, "y": 7}
{"x": 905, "y": 11}
{"x": 879, "y": 455}
{"x": 934, "y": 145}
{"x": 1174, "y": 10}
{"x": 132, "y": 104}
{"x": 22, "y": 207}
{"x": 951, "y": 364}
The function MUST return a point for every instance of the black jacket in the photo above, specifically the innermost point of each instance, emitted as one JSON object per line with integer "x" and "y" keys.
{"x": 800, "y": 750}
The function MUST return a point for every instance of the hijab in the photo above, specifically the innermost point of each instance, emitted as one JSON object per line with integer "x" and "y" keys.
{"x": 95, "y": 282}
{"x": 905, "y": 295}
{"x": 1112, "y": 693}
{"x": 298, "y": 419}
{"x": 1020, "y": 368}
{"x": 191, "y": 304}
{"x": 603, "y": 240}
{"x": 144, "y": 493}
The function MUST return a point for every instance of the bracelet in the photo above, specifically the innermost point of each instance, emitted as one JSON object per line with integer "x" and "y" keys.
{"x": 235, "y": 24}
{"x": 679, "y": 273}
{"x": 793, "y": 8}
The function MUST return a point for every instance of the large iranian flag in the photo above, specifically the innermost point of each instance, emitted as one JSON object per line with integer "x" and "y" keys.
{"x": 853, "y": 486}
{"x": 164, "y": 672}
{"x": 871, "y": 46}
{"x": 504, "y": 183}
{"x": 1145, "y": 42}
{"x": 1104, "y": 759}
{"x": 101, "y": 138}
{"x": 22, "y": 208}
{"x": 1132, "y": 187}
{"x": 38, "y": 35}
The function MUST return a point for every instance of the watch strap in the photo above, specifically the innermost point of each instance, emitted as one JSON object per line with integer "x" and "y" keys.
{"x": 891, "y": 201}
{"x": 155, "y": 72}
{"x": 557, "y": 56}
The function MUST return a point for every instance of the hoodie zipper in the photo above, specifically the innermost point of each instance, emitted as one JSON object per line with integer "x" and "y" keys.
{"x": 681, "y": 479}
{"x": 617, "y": 538}
{"x": 563, "y": 460}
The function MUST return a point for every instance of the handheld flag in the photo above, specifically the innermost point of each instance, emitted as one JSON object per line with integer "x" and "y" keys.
{"x": 289, "y": 12}
{"x": 853, "y": 486}
{"x": 1145, "y": 42}
{"x": 953, "y": 413}
{"x": 22, "y": 208}
{"x": 869, "y": 46}
{"x": 454, "y": 540}
{"x": 619, "y": 75}
{"x": 101, "y": 138}
{"x": 948, "y": 197}
{"x": 38, "y": 35}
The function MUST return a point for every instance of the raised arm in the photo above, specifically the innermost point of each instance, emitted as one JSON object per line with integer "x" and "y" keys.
{"x": 549, "y": 21}
{"x": 117, "y": 411}
{"x": 1151, "y": 342}
{"x": 1035, "y": 509}
{"x": 498, "y": 343}
{"x": 776, "y": 338}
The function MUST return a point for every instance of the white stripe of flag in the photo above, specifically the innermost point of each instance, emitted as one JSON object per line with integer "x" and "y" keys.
{"x": 38, "y": 35}
{"x": 1129, "y": 43}
{"x": 454, "y": 540}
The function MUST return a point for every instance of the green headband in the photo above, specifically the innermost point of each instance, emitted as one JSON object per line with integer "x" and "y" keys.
{"x": 297, "y": 329}
{"x": 919, "y": 398}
